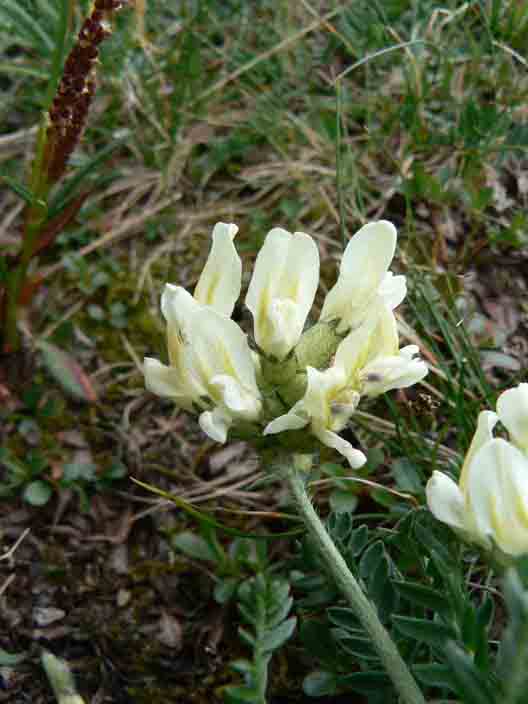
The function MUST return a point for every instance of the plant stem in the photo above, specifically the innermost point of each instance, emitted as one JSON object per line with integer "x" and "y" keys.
{"x": 34, "y": 219}
{"x": 262, "y": 664}
{"x": 396, "y": 668}
{"x": 516, "y": 680}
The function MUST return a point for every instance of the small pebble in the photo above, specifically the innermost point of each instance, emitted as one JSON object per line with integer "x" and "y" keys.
{"x": 123, "y": 597}
{"x": 45, "y": 615}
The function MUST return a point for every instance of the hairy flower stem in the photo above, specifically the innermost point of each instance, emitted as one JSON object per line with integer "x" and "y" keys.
{"x": 396, "y": 668}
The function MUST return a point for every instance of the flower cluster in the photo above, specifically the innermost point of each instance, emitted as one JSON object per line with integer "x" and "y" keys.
{"x": 292, "y": 379}
{"x": 490, "y": 504}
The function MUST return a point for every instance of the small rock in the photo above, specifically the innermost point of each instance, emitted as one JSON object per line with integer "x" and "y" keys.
{"x": 73, "y": 438}
{"x": 170, "y": 631}
{"x": 45, "y": 615}
{"x": 118, "y": 560}
{"x": 123, "y": 597}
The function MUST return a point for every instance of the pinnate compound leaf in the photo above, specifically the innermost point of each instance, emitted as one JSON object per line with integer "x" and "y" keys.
{"x": 317, "y": 640}
{"x": 358, "y": 540}
{"x": 344, "y": 617}
{"x": 244, "y": 667}
{"x": 423, "y": 596}
{"x": 371, "y": 559}
{"x": 280, "y": 612}
{"x": 357, "y": 645}
{"x": 365, "y": 682}
{"x": 264, "y": 603}
{"x": 225, "y": 590}
{"x": 273, "y": 639}
{"x": 430, "y": 632}
{"x": 471, "y": 684}
{"x": 342, "y": 501}
{"x": 407, "y": 476}
{"x": 247, "y": 638}
{"x": 435, "y": 675}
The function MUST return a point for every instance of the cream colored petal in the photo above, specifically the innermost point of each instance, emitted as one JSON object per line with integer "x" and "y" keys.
{"x": 218, "y": 346}
{"x": 497, "y": 495}
{"x": 409, "y": 351}
{"x": 323, "y": 388}
{"x": 267, "y": 274}
{"x": 316, "y": 404}
{"x": 487, "y": 420}
{"x": 384, "y": 338}
{"x": 445, "y": 500}
{"x": 215, "y": 424}
{"x": 356, "y": 458}
{"x": 220, "y": 282}
{"x": 293, "y": 420}
{"x": 166, "y": 382}
{"x": 365, "y": 262}
{"x": 354, "y": 351}
{"x": 373, "y": 245}
{"x": 283, "y": 328}
{"x": 301, "y": 276}
{"x": 343, "y": 407}
{"x": 330, "y": 404}
{"x": 326, "y": 406}
{"x": 392, "y": 290}
{"x": 178, "y": 308}
{"x": 512, "y": 409}
{"x": 387, "y": 373}
{"x": 238, "y": 401}
{"x": 282, "y": 289}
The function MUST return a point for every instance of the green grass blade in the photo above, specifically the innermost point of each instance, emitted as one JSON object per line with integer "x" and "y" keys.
{"x": 50, "y": 10}
{"x": 71, "y": 186}
{"x": 18, "y": 188}
{"x": 205, "y": 518}
{"x": 59, "y": 51}
{"x": 28, "y": 26}
{"x": 12, "y": 69}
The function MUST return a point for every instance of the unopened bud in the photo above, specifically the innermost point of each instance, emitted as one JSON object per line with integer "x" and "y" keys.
{"x": 318, "y": 345}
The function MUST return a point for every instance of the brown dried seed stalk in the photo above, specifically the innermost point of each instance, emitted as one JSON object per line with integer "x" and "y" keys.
{"x": 67, "y": 115}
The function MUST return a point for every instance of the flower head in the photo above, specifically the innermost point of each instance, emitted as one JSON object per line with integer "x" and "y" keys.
{"x": 295, "y": 379}
{"x": 489, "y": 506}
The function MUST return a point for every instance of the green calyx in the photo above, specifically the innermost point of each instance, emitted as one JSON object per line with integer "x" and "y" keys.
{"x": 283, "y": 382}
